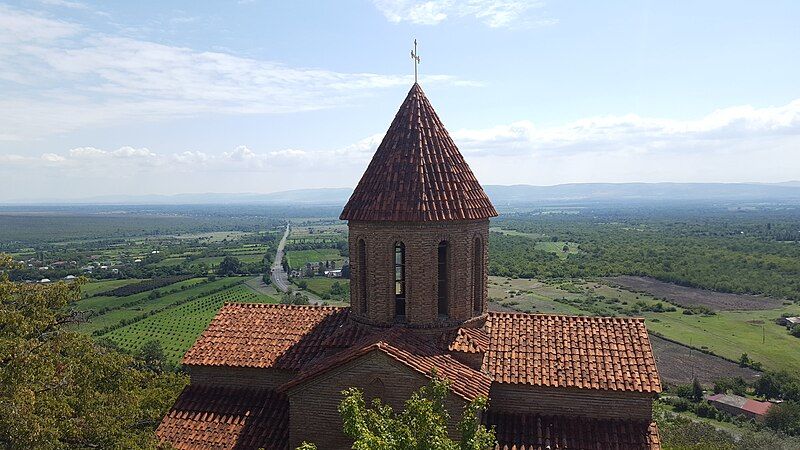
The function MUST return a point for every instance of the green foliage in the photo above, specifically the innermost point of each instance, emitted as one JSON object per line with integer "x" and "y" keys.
{"x": 152, "y": 355}
{"x": 784, "y": 417}
{"x": 422, "y": 425}
{"x": 696, "y": 247}
{"x": 294, "y": 299}
{"x": 795, "y": 331}
{"x": 685, "y": 391}
{"x": 680, "y": 433}
{"x": 59, "y": 390}
{"x": 746, "y": 361}
{"x": 730, "y": 385}
{"x": 779, "y": 385}
{"x": 697, "y": 391}
{"x": 229, "y": 265}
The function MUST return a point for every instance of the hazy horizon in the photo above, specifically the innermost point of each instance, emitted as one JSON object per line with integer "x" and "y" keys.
{"x": 151, "y": 99}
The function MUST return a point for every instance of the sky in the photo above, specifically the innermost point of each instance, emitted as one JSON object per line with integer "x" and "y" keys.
{"x": 166, "y": 97}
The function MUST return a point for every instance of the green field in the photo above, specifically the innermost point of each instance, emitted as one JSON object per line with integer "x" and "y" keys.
{"x": 322, "y": 285}
{"x": 115, "y": 316}
{"x": 169, "y": 262}
{"x": 531, "y": 296}
{"x": 101, "y": 301}
{"x": 726, "y": 333}
{"x": 177, "y": 328}
{"x": 299, "y": 258}
{"x": 731, "y": 333}
{"x": 558, "y": 247}
{"x": 97, "y": 287}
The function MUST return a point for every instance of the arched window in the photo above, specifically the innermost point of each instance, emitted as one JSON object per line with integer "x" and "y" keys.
{"x": 442, "y": 277}
{"x": 362, "y": 274}
{"x": 399, "y": 280}
{"x": 478, "y": 277}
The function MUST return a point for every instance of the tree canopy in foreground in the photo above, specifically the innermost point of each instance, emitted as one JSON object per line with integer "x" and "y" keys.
{"x": 58, "y": 389}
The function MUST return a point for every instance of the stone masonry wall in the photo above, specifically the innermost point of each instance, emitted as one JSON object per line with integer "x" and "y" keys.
{"x": 571, "y": 402}
{"x": 313, "y": 407}
{"x": 238, "y": 376}
{"x": 421, "y": 240}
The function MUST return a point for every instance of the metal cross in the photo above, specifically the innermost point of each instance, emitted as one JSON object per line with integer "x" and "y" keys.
{"x": 415, "y": 57}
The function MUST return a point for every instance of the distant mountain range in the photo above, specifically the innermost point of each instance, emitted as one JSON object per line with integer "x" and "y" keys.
{"x": 500, "y": 195}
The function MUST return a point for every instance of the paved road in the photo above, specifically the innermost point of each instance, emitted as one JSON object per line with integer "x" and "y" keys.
{"x": 280, "y": 279}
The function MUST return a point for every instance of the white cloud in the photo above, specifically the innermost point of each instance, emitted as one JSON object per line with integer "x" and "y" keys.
{"x": 494, "y": 13}
{"x": 53, "y": 158}
{"x": 732, "y": 144}
{"x": 74, "y": 78}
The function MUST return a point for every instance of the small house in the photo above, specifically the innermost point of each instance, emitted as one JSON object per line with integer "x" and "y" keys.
{"x": 736, "y": 405}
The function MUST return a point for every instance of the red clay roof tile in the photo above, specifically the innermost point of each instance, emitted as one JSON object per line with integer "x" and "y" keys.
{"x": 541, "y": 350}
{"x": 610, "y": 353}
{"x": 417, "y": 173}
{"x": 264, "y": 335}
{"x": 467, "y": 340}
{"x": 220, "y": 418}
{"x": 520, "y": 431}
{"x": 465, "y": 381}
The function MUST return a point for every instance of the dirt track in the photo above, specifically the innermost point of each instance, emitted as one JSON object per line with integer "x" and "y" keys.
{"x": 688, "y": 297}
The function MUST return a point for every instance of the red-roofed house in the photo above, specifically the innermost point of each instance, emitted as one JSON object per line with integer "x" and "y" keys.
{"x": 271, "y": 376}
{"x": 736, "y": 405}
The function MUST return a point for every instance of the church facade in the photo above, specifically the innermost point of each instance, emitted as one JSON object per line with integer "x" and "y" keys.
{"x": 271, "y": 376}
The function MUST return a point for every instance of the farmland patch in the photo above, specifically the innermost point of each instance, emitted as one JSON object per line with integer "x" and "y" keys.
{"x": 688, "y": 297}
{"x": 679, "y": 364}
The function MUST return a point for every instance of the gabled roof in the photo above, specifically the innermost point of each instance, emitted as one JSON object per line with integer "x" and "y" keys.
{"x": 745, "y": 404}
{"x": 264, "y": 335}
{"x": 417, "y": 173}
{"x": 609, "y": 353}
{"x": 419, "y": 356}
{"x": 224, "y": 418}
{"x": 528, "y": 431}
{"x": 466, "y": 340}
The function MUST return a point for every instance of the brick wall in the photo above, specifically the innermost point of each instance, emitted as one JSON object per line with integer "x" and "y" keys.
{"x": 313, "y": 407}
{"x": 238, "y": 376}
{"x": 571, "y": 402}
{"x": 421, "y": 243}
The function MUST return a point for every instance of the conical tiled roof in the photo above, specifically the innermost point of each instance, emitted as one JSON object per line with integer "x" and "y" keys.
{"x": 417, "y": 173}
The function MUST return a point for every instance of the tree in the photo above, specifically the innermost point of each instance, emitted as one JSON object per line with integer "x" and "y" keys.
{"x": 734, "y": 385}
{"x": 152, "y": 355}
{"x": 697, "y": 391}
{"x": 60, "y": 390}
{"x": 784, "y": 417}
{"x": 422, "y": 425}
{"x": 229, "y": 266}
{"x": 778, "y": 385}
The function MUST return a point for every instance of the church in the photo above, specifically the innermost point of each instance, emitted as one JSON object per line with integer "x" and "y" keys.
{"x": 271, "y": 376}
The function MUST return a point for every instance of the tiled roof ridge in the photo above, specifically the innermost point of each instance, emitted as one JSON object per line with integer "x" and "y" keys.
{"x": 283, "y": 306}
{"x": 417, "y": 173}
{"x": 567, "y": 316}
{"x": 391, "y": 342}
